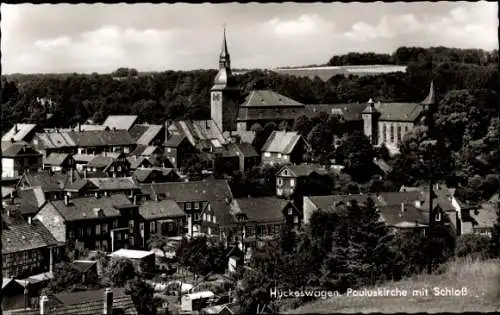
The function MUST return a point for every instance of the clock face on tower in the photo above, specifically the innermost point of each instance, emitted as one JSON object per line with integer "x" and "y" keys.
{"x": 216, "y": 97}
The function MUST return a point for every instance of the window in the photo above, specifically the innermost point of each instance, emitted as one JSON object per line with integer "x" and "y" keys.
{"x": 204, "y": 216}
{"x": 437, "y": 217}
{"x": 115, "y": 223}
{"x": 384, "y": 132}
{"x": 213, "y": 219}
{"x": 296, "y": 219}
{"x": 131, "y": 224}
{"x": 279, "y": 192}
{"x": 104, "y": 228}
{"x": 400, "y": 136}
{"x": 392, "y": 133}
{"x": 188, "y": 205}
{"x": 152, "y": 227}
{"x": 141, "y": 226}
{"x": 104, "y": 245}
{"x": 98, "y": 245}
{"x": 196, "y": 206}
{"x": 280, "y": 181}
{"x": 209, "y": 231}
{"x": 407, "y": 128}
{"x": 290, "y": 211}
{"x": 132, "y": 243}
{"x": 173, "y": 159}
{"x": 209, "y": 217}
{"x": 269, "y": 230}
{"x": 71, "y": 235}
{"x": 98, "y": 229}
{"x": 292, "y": 182}
{"x": 170, "y": 227}
{"x": 118, "y": 236}
{"x": 279, "y": 155}
{"x": 81, "y": 232}
{"x": 285, "y": 173}
{"x": 267, "y": 154}
{"x": 169, "y": 150}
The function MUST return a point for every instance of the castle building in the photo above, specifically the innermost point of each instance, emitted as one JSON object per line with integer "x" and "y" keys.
{"x": 387, "y": 123}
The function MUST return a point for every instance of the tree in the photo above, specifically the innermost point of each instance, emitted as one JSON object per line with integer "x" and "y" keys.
{"x": 262, "y": 135}
{"x": 119, "y": 271}
{"x": 66, "y": 278}
{"x": 142, "y": 296}
{"x": 202, "y": 257}
{"x": 356, "y": 154}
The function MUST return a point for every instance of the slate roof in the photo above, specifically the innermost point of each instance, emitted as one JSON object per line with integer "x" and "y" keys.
{"x": 85, "y": 158}
{"x": 396, "y": 198}
{"x": 399, "y": 111}
{"x": 31, "y": 200}
{"x": 18, "y": 235}
{"x": 117, "y": 183}
{"x": 82, "y": 208}
{"x": 393, "y": 216}
{"x": 120, "y": 122}
{"x": 93, "y": 138}
{"x": 350, "y": 112}
{"x": 199, "y": 130}
{"x": 56, "y": 159}
{"x": 281, "y": 142}
{"x": 268, "y": 113}
{"x": 260, "y": 98}
{"x": 49, "y": 182}
{"x": 136, "y": 162}
{"x": 223, "y": 211}
{"x": 141, "y": 174}
{"x": 23, "y": 130}
{"x": 145, "y": 134}
{"x": 84, "y": 302}
{"x": 174, "y": 141}
{"x": 246, "y": 149}
{"x": 18, "y": 149}
{"x": 246, "y": 136}
{"x": 100, "y": 161}
{"x": 263, "y": 209}
{"x": 327, "y": 203}
{"x": 209, "y": 190}
{"x": 306, "y": 169}
{"x": 83, "y": 265}
{"x": 166, "y": 208}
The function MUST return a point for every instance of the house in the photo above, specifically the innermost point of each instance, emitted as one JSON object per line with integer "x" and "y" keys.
{"x": 13, "y": 296}
{"x": 88, "y": 127}
{"x": 81, "y": 160}
{"x": 148, "y": 135}
{"x": 404, "y": 218}
{"x": 263, "y": 106}
{"x": 20, "y": 133}
{"x": 162, "y": 216}
{"x": 144, "y": 261}
{"x": 120, "y": 122}
{"x": 204, "y": 135}
{"x": 296, "y": 181}
{"x": 246, "y": 155}
{"x": 246, "y": 136}
{"x": 387, "y": 123}
{"x": 53, "y": 185}
{"x": 178, "y": 149}
{"x": 103, "y": 186}
{"x": 28, "y": 202}
{"x": 284, "y": 148}
{"x": 156, "y": 175}
{"x": 87, "y": 222}
{"x": 192, "y": 197}
{"x": 18, "y": 158}
{"x": 59, "y": 162}
{"x": 28, "y": 248}
{"x": 482, "y": 220}
{"x": 330, "y": 203}
{"x": 85, "y": 142}
{"x": 349, "y": 114}
{"x": 88, "y": 269}
{"x": 139, "y": 162}
{"x": 111, "y": 164}
{"x": 114, "y": 301}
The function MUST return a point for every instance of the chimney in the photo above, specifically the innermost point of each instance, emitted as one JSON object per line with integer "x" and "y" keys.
{"x": 402, "y": 207}
{"x": 16, "y": 128}
{"x": 135, "y": 199}
{"x": 44, "y": 305}
{"x": 108, "y": 302}
{"x": 66, "y": 200}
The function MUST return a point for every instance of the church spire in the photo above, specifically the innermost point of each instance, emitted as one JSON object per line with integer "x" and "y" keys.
{"x": 224, "y": 59}
{"x": 431, "y": 97}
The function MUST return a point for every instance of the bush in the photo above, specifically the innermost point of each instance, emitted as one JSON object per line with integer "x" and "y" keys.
{"x": 473, "y": 245}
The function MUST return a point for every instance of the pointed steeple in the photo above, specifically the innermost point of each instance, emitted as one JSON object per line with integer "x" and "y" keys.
{"x": 431, "y": 97}
{"x": 224, "y": 58}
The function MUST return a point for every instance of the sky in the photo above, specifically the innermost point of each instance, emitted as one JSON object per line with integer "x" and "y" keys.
{"x": 100, "y": 38}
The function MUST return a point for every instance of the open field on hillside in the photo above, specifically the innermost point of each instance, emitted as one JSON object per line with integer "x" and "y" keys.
{"x": 480, "y": 278}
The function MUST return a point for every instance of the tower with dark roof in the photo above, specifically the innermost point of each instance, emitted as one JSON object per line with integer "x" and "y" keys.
{"x": 224, "y": 95}
{"x": 370, "y": 122}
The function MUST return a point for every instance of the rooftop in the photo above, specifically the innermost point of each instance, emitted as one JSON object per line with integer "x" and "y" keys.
{"x": 88, "y": 208}
{"x": 166, "y": 208}
{"x": 19, "y": 132}
{"x": 281, "y": 142}
{"x": 130, "y": 254}
{"x": 209, "y": 190}
{"x": 120, "y": 122}
{"x": 262, "y": 98}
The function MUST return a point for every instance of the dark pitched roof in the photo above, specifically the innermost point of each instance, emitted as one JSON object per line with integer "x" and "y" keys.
{"x": 394, "y": 216}
{"x": 269, "y": 113}
{"x": 174, "y": 141}
{"x": 431, "y": 97}
{"x": 306, "y": 169}
{"x": 18, "y": 235}
{"x": 281, "y": 142}
{"x": 120, "y": 122}
{"x": 18, "y": 149}
{"x": 100, "y": 161}
{"x": 85, "y": 208}
{"x": 350, "y": 112}
{"x": 49, "y": 182}
{"x": 259, "y": 98}
{"x": 209, "y": 190}
{"x": 396, "y": 198}
{"x": 136, "y": 162}
{"x": 18, "y": 132}
{"x": 246, "y": 136}
{"x": 31, "y": 200}
{"x": 399, "y": 111}
{"x": 83, "y": 265}
{"x": 145, "y": 134}
{"x": 263, "y": 209}
{"x": 327, "y": 203}
{"x": 197, "y": 131}
{"x": 246, "y": 149}
{"x": 91, "y": 138}
{"x": 85, "y": 302}
{"x": 224, "y": 211}
{"x": 83, "y": 158}
{"x": 166, "y": 208}
{"x": 141, "y": 174}
{"x": 56, "y": 159}
{"x": 117, "y": 183}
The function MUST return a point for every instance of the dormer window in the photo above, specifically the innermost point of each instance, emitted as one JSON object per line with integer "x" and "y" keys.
{"x": 285, "y": 172}
{"x": 290, "y": 211}
{"x": 437, "y": 217}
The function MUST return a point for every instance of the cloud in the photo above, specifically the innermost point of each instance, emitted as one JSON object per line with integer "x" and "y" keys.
{"x": 388, "y": 27}
{"x": 305, "y": 24}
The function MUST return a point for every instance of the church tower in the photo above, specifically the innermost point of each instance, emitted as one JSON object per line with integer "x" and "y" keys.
{"x": 224, "y": 95}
